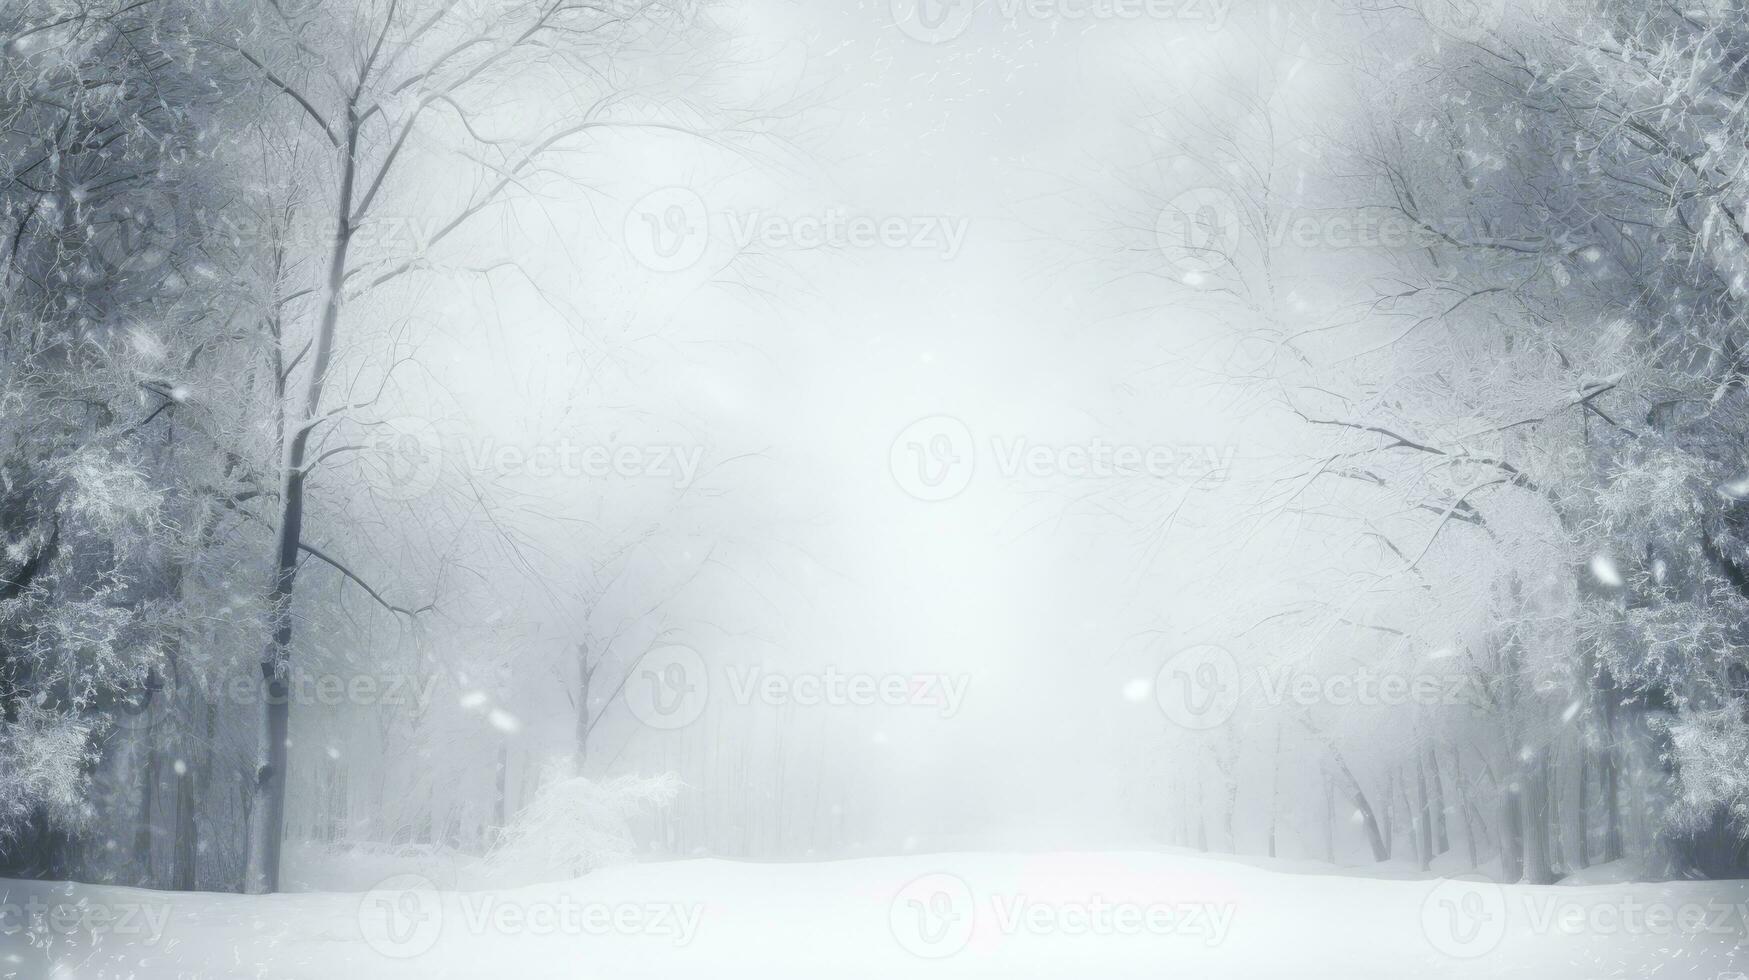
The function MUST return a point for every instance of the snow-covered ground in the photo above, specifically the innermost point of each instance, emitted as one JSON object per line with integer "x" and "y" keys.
{"x": 1059, "y": 915}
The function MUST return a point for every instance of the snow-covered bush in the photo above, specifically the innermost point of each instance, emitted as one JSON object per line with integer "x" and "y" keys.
{"x": 575, "y": 825}
{"x": 42, "y": 760}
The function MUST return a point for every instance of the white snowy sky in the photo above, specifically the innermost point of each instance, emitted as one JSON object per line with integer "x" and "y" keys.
{"x": 997, "y": 128}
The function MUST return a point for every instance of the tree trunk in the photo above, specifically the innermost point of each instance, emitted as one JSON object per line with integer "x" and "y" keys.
{"x": 1581, "y": 823}
{"x": 1411, "y": 821}
{"x": 1202, "y": 827}
{"x": 500, "y": 787}
{"x": 267, "y": 799}
{"x": 1556, "y": 822}
{"x": 1609, "y": 782}
{"x": 182, "y": 872}
{"x": 1442, "y": 838}
{"x": 584, "y": 673}
{"x": 1423, "y": 818}
{"x": 1274, "y": 789}
{"x": 1511, "y": 834}
{"x": 1390, "y": 817}
{"x": 1379, "y": 842}
{"x": 148, "y": 791}
{"x": 1186, "y": 838}
{"x": 185, "y": 835}
{"x": 1464, "y": 807}
{"x": 1329, "y": 820}
{"x": 1667, "y": 854}
{"x": 1538, "y": 869}
{"x": 1230, "y": 794}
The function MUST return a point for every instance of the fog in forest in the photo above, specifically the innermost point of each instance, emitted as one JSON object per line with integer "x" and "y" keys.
{"x": 754, "y": 488}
